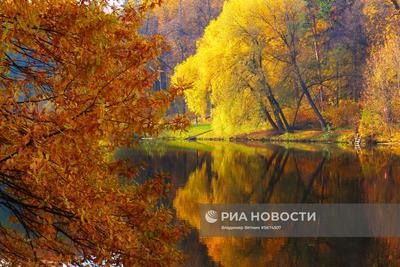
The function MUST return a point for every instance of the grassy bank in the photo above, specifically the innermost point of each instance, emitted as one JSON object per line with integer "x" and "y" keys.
{"x": 197, "y": 131}
{"x": 205, "y": 132}
{"x": 336, "y": 136}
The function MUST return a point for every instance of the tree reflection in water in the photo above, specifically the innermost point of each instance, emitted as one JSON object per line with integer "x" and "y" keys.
{"x": 227, "y": 173}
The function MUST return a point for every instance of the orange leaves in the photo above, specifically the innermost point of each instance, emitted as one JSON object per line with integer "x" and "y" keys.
{"x": 149, "y": 4}
{"x": 72, "y": 78}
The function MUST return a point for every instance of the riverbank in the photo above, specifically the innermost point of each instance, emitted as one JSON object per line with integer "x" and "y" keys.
{"x": 205, "y": 132}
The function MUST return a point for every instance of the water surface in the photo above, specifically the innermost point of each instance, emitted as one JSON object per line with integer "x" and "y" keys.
{"x": 231, "y": 173}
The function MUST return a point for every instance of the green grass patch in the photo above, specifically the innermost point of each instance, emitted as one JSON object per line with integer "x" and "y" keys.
{"x": 195, "y": 130}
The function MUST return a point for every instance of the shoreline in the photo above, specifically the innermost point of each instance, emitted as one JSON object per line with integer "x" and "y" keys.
{"x": 264, "y": 140}
{"x": 344, "y": 137}
{"x": 279, "y": 141}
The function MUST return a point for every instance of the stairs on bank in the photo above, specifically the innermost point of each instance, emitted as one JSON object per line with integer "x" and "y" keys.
{"x": 357, "y": 142}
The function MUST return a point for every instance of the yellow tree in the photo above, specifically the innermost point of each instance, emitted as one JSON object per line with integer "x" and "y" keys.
{"x": 383, "y": 19}
{"x": 256, "y": 47}
{"x": 230, "y": 69}
{"x": 74, "y": 79}
{"x": 284, "y": 24}
{"x": 382, "y": 77}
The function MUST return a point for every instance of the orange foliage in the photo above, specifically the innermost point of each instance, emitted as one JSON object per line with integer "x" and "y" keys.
{"x": 73, "y": 87}
{"x": 344, "y": 115}
{"x": 306, "y": 118}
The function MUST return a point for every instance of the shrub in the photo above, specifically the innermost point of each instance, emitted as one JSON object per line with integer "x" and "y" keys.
{"x": 346, "y": 115}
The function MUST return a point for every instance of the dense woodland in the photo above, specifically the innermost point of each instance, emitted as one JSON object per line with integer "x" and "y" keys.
{"x": 285, "y": 64}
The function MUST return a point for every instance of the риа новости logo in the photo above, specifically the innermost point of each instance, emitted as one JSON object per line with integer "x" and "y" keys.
{"x": 211, "y": 216}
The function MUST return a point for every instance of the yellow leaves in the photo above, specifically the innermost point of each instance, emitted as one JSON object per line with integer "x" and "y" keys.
{"x": 383, "y": 19}
{"x": 149, "y": 4}
{"x": 381, "y": 105}
{"x": 235, "y": 55}
{"x": 321, "y": 25}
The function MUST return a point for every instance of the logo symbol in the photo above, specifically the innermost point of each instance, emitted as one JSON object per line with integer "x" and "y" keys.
{"x": 211, "y": 216}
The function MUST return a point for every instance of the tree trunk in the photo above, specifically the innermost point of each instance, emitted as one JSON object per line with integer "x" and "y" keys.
{"x": 318, "y": 59}
{"x": 307, "y": 94}
{"x": 338, "y": 86}
{"x": 297, "y": 109}
{"x": 269, "y": 118}
{"x": 278, "y": 113}
{"x": 262, "y": 105}
{"x": 278, "y": 108}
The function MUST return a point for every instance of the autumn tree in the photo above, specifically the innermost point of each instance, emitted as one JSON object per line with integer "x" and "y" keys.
{"x": 230, "y": 71}
{"x": 182, "y": 23}
{"x": 332, "y": 56}
{"x": 74, "y": 85}
{"x": 315, "y": 13}
{"x": 382, "y": 20}
{"x": 382, "y": 77}
{"x": 284, "y": 22}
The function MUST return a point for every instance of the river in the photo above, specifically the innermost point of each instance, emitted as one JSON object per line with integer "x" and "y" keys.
{"x": 232, "y": 173}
